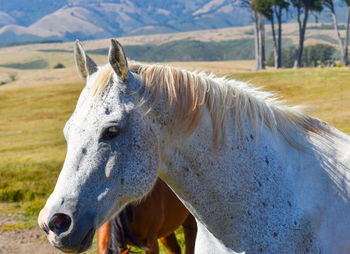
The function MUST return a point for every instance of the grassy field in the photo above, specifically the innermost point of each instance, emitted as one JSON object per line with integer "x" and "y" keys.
{"x": 31, "y": 142}
{"x": 325, "y": 91}
{"x": 31, "y": 120}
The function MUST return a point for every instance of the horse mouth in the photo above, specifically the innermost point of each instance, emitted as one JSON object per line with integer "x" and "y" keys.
{"x": 84, "y": 245}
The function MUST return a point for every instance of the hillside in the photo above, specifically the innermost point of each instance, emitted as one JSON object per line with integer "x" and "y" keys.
{"x": 226, "y": 44}
{"x": 66, "y": 20}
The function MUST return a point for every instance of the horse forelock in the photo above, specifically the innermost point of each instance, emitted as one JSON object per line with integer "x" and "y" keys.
{"x": 189, "y": 91}
{"x": 101, "y": 80}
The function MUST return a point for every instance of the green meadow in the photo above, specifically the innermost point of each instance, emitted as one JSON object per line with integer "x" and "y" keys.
{"x": 32, "y": 145}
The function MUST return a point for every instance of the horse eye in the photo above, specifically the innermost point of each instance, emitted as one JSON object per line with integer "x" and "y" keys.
{"x": 111, "y": 132}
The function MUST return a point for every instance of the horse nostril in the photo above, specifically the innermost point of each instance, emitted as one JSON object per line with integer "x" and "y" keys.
{"x": 59, "y": 223}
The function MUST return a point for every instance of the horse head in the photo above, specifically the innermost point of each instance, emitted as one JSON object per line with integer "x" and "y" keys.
{"x": 112, "y": 153}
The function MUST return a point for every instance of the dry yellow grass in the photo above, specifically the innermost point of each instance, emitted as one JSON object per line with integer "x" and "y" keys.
{"x": 29, "y": 78}
{"x": 325, "y": 90}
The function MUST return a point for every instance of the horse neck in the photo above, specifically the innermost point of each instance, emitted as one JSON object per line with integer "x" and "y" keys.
{"x": 239, "y": 186}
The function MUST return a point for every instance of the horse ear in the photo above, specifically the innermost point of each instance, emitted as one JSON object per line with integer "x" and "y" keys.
{"x": 84, "y": 64}
{"x": 117, "y": 60}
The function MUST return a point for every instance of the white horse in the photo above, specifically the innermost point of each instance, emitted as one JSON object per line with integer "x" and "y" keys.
{"x": 258, "y": 176}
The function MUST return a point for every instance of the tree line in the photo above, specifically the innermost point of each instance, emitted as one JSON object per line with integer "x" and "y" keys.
{"x": 273, "y": 10}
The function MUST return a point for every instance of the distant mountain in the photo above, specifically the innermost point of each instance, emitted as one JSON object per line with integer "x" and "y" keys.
{"x": 40, "y": 20}
{"x": 64, "y": 20}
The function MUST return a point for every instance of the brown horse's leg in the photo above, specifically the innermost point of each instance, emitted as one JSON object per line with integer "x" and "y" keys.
{"x": 171, "y": 244}
{"x": 190, "y": 231}
{"x": 103, "y": 238}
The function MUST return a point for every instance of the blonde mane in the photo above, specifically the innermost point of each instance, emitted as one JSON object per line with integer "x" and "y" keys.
{"x": 188, "y": 92}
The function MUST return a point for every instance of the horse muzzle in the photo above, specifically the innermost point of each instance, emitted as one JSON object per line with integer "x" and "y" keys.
{"x": 63, "y": 233}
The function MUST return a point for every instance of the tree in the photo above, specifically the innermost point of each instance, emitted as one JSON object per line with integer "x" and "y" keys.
{"x": 261, "y": 41}
{"x": 317, "y": 54}
{"x": 257, "y": 39}
{"x": 314, "y": 55}
{"x": 271, "y": 9}
{"x": 279, "y": 6}
{"x": 343, "y": 46}
{"x": 259, "y": 47}
{"x": 288, "y": 57}
{"x": 304, "y": 7}
{"x": 259, "y": 32}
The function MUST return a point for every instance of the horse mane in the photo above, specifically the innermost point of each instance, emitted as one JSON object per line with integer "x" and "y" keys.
{"x": 120, "y": 232}
{"x": 188, "y": 92}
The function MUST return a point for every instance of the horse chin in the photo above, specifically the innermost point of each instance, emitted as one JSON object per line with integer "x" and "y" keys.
{"x": 84, "y": 245}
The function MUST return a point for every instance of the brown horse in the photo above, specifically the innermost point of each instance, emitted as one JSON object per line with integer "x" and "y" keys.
{"x": 142, "y": 223}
